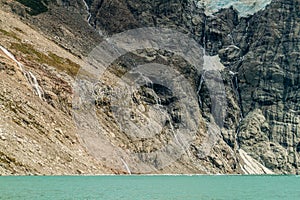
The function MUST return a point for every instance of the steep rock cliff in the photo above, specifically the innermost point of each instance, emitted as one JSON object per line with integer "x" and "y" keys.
{"x": 258, "y": 46}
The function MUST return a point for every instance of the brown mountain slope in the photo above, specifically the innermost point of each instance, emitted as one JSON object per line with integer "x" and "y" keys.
{"x": 37, "y": 136}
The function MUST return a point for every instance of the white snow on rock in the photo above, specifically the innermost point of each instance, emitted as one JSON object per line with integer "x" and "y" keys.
{"x": 212, "y": 63}
{"x": 252, "y": 166}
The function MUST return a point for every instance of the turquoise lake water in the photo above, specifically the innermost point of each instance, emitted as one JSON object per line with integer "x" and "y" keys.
{"x": 151, "y": 187}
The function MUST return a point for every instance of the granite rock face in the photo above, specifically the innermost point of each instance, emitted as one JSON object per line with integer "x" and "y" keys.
{"x": 256, "y": 51}
{"x": 269, "y": 79}
{"x": 262, "y": 50}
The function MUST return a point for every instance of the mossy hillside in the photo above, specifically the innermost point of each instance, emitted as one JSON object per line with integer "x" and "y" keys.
{"x": 62, "y": 64}
{"x": 9, "y": 34}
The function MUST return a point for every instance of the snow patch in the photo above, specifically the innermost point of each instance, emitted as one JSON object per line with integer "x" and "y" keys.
{"x": 252, "y": 166}
{"x": 212, "y": 63}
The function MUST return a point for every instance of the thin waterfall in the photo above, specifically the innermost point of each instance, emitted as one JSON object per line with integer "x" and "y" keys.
{"x": 172, "y": 129}
{"x": 232, "y": 39}
{"x": 126, "y": 166}
{"x": 203, "y": 74}
{"x": 239, "y": 97}
{"x": 235, "y": 86}
{"x": 36, "y": 85}
{"x": 204, "y": 38}
{"x": 88, "y": 10}
{"x": 199, "y": 89}
{"x": 11, "y": 56}
{"x": 28, "y": 75}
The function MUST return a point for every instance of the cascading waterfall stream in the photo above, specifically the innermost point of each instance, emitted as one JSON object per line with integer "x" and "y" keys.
{"x": 199, "y": 89}
{"x": 11, "y": 56}
{"x": 203, "y": 74}
{"x": 126, "y": 166}
{"x": 33, "y": 81}
{"x": 235, "y": 86}
{"x": 88, "y": 10}
{"x": 28, "y": 75}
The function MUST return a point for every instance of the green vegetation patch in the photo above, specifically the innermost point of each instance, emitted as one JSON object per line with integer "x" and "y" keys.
{"x": 9, "y": 34}
{"x": 62, "y": 64}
